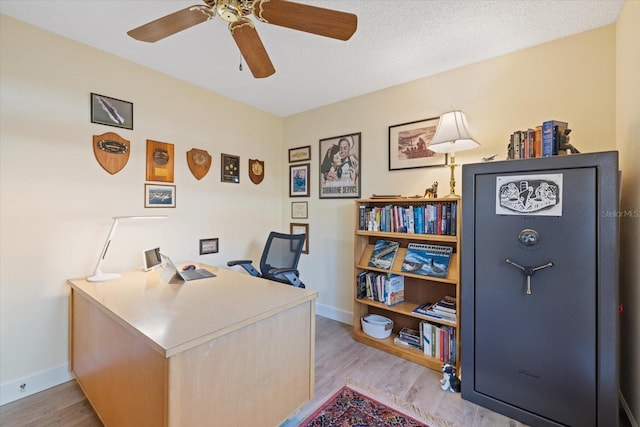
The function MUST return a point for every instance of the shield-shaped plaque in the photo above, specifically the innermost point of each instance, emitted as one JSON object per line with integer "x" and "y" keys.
{"x": 256, "y": 171}
{"x": 199, "y": 162}
{"x": 111, "y": 151}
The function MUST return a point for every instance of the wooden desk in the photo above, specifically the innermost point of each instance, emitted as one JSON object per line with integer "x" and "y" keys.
{"x": 233, "y": 350}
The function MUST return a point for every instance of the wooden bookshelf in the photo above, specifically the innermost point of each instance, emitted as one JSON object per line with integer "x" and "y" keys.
{"x": 419, "y": 289}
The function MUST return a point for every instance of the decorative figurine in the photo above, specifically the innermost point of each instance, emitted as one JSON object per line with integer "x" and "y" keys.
{"x": 431, "y": 192}
{"x": 563, "y": 143}
{"x": 449, "y": 379}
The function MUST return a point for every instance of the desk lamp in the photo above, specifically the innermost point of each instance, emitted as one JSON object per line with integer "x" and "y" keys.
{"x": 452, "y": 135}
{"x": 98, "y": 275}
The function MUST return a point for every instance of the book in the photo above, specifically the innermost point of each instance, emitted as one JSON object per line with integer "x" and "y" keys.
{"x": 394, "y": 286}
{"x": 428, "y": 310}
{"x": 550, "y": 131}
{"x": 383, "y": 255}
{"x": 405, "y": 343}
{"x": 427, "y": 259}
{"x": 411, "y": 336}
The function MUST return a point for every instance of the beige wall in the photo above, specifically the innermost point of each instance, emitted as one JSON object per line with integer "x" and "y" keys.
{"x": 56, "y": 202}
{"x": 572, "y": 79}
{"x": 627, "y": 131}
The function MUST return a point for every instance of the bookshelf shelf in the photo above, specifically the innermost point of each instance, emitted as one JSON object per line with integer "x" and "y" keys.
{"x": 418, "y": 289}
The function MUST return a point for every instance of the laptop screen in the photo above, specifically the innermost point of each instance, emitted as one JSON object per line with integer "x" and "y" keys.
{"x": 151, "y": 258}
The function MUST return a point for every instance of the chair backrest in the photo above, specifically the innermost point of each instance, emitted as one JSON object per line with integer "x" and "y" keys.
{"x": 281, "y": 251}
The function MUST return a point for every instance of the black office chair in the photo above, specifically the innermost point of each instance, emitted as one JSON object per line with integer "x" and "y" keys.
{"x": 279, "y": 261}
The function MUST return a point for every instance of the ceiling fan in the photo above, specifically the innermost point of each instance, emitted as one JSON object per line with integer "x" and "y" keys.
{"x": 297, "y": 16}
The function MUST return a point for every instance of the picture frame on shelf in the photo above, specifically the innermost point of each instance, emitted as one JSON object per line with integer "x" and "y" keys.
{"x": 299, "y": 210}
{"x": 159, "y": 196}
{"x": 209, "y": 246}
{"x": 299, "y": 180}
{"x": 230, "y": 168}
{"x": 299, "y": 154}
{"x": 111, "y": 111}
{"x": 298, "y": 228}
{"x": 340, "y": 166}
{"x": 160, "y": 161}
{"x": 408, "y": 145}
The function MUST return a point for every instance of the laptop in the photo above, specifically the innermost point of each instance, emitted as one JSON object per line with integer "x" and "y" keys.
{"x": 170, "y": 271}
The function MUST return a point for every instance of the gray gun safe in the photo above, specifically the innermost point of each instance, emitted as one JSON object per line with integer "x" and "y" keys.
{"x": 539, "y": 299}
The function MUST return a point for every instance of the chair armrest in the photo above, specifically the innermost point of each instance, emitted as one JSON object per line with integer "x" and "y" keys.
{"x": 246, "y": 264}
{"x": 290, "y": 274}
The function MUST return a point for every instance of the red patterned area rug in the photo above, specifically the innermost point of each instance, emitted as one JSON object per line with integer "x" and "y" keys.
{"x": 349, "y": 408}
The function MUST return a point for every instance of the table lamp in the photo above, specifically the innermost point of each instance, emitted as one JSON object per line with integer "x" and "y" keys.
{"x": 452, "y": 135}
{"x": 98, "y": 275}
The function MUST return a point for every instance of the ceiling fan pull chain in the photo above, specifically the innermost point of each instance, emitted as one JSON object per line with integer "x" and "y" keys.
{"x": 240, "y": 66}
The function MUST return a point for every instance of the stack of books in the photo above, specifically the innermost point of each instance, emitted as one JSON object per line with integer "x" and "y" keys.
{"x": 381, "y": 287}
{"x": 545, "y": 140}
{"x": 409, "y": 338}
{"x": 445, "y": 309}
{"x": 439, "y": 342}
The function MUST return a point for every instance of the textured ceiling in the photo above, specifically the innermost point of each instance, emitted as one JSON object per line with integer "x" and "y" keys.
{"x": 396, "y": 41}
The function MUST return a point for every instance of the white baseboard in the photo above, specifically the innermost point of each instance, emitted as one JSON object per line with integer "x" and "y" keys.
{"x": 35, "y": 383}
{"x": 627, "y": 409}
{"x": 334, "y": 313}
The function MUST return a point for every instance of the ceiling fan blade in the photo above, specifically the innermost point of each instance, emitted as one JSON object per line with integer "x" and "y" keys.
{"x": 310, "y": 19}
{"x": 251, "y": 47}
{"x": 171, "y": 24}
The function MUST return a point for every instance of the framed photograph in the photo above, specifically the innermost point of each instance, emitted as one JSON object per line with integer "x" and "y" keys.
{"x": 299, "y": 154}
{"x": 408, "y": 145}
{"x": 295, "y": 228}
{"x": 340, "y": 167}
{"x": 111, "y": 112}
{"x": 299, "y": 180}
{"x": 299, "y": 210}
{"x": 159, "y": 196}
{"x": 208, "y": 246}
{"x": 159, "y": 161}
{"x": 230, "y": 168}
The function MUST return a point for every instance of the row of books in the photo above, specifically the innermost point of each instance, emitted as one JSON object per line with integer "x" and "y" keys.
{"x": 545, "y": 140}
{"x": 439, "y": 341}
{"x": 429, "y": 218}
{"x": 445, "y": 309}
{"x": 420, "y": 258}
{"x": 381, "y": 287}
{"x": 434, "y": 340}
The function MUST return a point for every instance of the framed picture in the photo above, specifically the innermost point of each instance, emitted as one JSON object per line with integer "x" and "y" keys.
{"x": 159, "y": 161}
{"x": 111, "y": 112}
{"x": 230, "y": 168}
{"x": 299, "y": 154}
{"x": 208, "y": 246}
{"x": 299, "y": 210}
{"x": 159, "y": 196}
{"x": 295, "y": 228}
{"x": 299, "y": 180}
{"x": 408, "y": 145}
{"x": 340, "y": 167}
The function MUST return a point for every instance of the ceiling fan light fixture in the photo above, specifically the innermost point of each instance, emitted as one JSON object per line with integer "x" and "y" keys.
{"x": 229, "y": 10}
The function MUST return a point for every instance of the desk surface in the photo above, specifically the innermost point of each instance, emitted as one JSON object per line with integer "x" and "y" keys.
{"x": 174, "y": 317}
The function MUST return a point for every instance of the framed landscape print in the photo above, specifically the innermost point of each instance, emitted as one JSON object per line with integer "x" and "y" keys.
{"x": 111, "y": 112}
{"x": 208, "y": 246}
{"x": 159, "y": 196}
{"x": 408, "y": 145}
{"x": 340, "y": 167}
{"x": 299, "y": 180}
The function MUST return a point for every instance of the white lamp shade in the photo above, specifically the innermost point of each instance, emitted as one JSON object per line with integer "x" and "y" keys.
{"x": 452, "y": 134}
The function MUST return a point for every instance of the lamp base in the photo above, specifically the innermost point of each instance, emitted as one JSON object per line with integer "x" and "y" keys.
{"x": 103, "y": 277}
{"x": 452, "y": 196}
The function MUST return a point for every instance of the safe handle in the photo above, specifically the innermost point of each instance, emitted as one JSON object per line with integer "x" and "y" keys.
{"x": 528, "y": 271}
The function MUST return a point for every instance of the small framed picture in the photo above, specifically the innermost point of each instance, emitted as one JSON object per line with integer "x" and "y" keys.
{"x": 111, "y": 112}
{"x": 299, "y": 180}
{"x": 230, "y": 168}
{"x": 408, "y": 145}
{"x": 299, "y": 154}
{"x": 159, "y": 196}
{"x": 299, "y": 210}
{"x": 208, "y": 246}
{"x": 295, "y": 228}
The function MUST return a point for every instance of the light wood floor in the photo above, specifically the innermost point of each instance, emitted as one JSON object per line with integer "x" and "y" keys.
{"x": 339, "y": 360}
